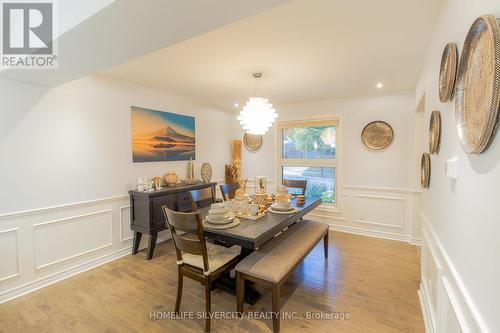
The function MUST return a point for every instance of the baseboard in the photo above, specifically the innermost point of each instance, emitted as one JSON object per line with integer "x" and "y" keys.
{"x": 61, "y": 275}
{"x": 426, "y": 312}
{"x": 377, "y": 234}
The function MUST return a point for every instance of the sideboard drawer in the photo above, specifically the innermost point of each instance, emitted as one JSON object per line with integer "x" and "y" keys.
{"x": 158, "y": 202}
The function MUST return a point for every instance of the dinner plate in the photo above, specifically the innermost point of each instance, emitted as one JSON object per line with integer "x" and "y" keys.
{"x": 294, "y": 210}
{"x": 282, "y": 209}
{"x": 209, "y": 225}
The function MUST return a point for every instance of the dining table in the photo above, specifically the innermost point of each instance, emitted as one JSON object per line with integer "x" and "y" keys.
{"x": 252, "y": 234}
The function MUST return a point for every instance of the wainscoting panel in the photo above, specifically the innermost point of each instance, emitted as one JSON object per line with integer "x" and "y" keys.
{"x": 64, "y": 239}
{"x": 378, "y": 212}
{"x": 125, "y": 232}
{"x": 445, "y": 303}
{"x": 43, "y": 246}
{"x": 9, "y": 268}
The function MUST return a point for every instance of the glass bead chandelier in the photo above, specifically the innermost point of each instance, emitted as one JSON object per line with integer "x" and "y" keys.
{"x": 258, "y": 115}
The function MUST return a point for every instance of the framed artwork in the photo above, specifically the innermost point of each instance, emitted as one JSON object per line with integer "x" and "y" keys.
{"x": 161, "y": 136}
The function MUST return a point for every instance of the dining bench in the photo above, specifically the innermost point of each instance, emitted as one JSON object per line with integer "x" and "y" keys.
{"x": 273, "y": 263}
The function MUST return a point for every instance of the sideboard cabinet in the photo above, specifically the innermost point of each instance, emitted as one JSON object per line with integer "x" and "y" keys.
{"x": 146, "y": 215}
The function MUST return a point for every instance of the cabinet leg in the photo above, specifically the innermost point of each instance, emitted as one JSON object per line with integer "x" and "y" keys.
{"x": 137, "y": 241}
{"x": 151, "y": 245}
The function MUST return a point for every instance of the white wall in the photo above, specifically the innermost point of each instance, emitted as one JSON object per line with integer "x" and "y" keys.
{"x": 73, "y": 144}
{"x": 368, "y": 180}
{"x": 462, "y": 217}
{"x": 66, "y": 167}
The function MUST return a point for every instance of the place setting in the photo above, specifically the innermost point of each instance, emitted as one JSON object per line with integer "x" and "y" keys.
{"x": 220, "y": 216}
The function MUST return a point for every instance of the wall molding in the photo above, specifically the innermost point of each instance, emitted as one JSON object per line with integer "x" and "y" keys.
{"x": 60, "y": 207}
{"x": 17, "y": 273}
{"x": 381, "y": 189}
{"x": 71, "y": 219}
{"x": 121, "y": 225}
{"x": 379, "y": 197}
{"x": 450, "y": 284}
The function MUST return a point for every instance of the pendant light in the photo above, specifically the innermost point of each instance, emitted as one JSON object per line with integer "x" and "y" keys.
{"x": 258, "y": 114}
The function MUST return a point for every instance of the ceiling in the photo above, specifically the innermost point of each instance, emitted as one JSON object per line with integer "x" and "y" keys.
{"x": 97, "y": 34}
{"x": 306, "y": 49}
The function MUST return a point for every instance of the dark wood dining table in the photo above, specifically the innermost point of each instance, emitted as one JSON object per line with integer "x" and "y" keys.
{"x": 252, "y": 234}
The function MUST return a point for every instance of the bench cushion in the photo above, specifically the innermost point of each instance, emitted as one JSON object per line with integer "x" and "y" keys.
{"x": 278, "y": 257}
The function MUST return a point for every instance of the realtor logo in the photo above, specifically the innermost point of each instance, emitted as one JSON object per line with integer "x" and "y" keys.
{"x": 28, "y": 34}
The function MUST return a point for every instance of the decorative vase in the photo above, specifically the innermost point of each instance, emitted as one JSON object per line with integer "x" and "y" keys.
{"x": 190, "y": 170}
{"x": 170, "y": 178}
{"x": 206, "y": 172}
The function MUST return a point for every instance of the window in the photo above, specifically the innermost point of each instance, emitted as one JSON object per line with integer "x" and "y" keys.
{"x": 308, "y": 150}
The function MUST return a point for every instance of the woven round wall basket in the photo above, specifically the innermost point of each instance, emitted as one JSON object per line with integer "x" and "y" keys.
{"x": 434, "y": 132}
{"x": 448, "y": 72}
{"x": 425, "y": 170}
{"x": 252, "y": 142}
{"x": 477, "y": 92}
{"x": 377, "y": 135}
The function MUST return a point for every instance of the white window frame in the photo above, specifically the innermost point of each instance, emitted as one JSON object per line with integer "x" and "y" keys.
{"x": 322, "y": 120}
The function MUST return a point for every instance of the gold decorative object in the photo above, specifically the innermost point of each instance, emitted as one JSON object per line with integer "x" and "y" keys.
{"x": 377, "y": 135}
{"x": 170, "y": 178}
{"x": 157, "y": 182}
{"x": 425, "y": 170}
{"x": 260, "y": 184}
{"x": 434, "y": 132}
{"x": 190, "y": 170}
{"x": 260, "y": 198}
{"x": 252, "y": 142}
{"x": 233, "y": 171}
{"x": 448, "y": 72}
{"x": 477, "y": 92}
{"x": 206, "y": 172}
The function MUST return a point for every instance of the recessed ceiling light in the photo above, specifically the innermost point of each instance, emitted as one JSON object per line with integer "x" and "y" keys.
{"x": 379, "y": 85}
{"x": 236, "y": 105}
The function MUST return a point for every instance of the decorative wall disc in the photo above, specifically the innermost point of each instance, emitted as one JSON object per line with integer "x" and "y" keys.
{"x": 477, "y": 92}
{"x": 448, "y": 72}
{"x": 425, "y": 170}
{"x": 434, "y": 132}
{"x": 377, "y": 135}
{"x": 252, "y": 142}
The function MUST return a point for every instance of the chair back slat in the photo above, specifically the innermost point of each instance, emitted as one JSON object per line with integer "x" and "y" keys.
{"x": 185, "y": 244}
{"x": 296, "y": 184}
{"x": 191, "y": 239}
{"x": 228, "y": 190}
{"x": 202, "y": 198}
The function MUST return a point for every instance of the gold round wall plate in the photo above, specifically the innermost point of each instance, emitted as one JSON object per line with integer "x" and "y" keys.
{"x": 252, "y": 142}
{"x": 434, "y": 132}
{"x": 425, "y": 170}
{"x": 377, "y": 135}
{"x": 448, "y": 72}
{"x": 477, "y": 92}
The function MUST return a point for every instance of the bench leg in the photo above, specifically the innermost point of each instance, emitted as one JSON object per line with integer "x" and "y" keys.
{"x": 325, "y": 244}
{"x": 240, "y": 292}
{"x": 276, "y": 308}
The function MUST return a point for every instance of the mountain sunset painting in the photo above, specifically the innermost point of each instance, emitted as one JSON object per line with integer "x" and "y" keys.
{"x": 161, "y": 136}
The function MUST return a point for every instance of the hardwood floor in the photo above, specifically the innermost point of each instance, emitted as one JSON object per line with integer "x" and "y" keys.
{"x": 375, "y": 281}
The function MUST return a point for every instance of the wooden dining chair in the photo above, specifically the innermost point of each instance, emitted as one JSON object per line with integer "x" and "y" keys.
{"x": 228, "y": 190}
{"x": 296, "y": 184}
{"x": 202, "y": 198}
{"x": 201, "y": 261}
